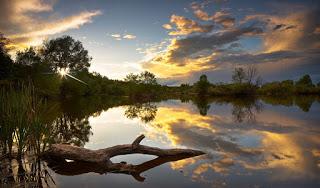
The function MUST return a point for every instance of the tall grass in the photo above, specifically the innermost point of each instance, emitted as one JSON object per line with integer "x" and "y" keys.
{"x": 24, "y": 129}
{"x": 21, "y": 119}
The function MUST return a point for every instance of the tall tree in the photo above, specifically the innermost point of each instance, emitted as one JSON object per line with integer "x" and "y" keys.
{"x": 202, "y": 85}
{"x": 132, "y": 78}
{"x": 147, "y": 78}
{"x": 65, "y": 52}
{"x": 251, "y": 74}
{"x": 6, "y": 63}
{"x": 238, "y": 75}
{"x": 305, "y": 81}
{"x": 142, "y": 78}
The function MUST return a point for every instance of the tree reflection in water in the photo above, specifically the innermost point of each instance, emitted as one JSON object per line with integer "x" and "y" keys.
{"x": 246, "y": 110}
{"x": 202, "y": 104}
{"x": 146, "y": 112}
{"x": 31, "y": 170}
{"x": 28, "y": 125}
{"x": 243, "y": 108}
{"x": 68, "y": 122}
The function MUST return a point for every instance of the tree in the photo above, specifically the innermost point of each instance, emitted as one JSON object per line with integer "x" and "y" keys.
{"x": 143, "y": 78}
{"x": 251, "y": 74}
{"x": 202, "y": 85}
{"x": 65, "y": 52}
{"x": 305, "y": 81}
{"x": 28, "y": 57}
{"x": 148, "y": 78}
{"x": 239, "y": 75}
{"x": 132, "y": 78}
{"x": 6, "y": 63}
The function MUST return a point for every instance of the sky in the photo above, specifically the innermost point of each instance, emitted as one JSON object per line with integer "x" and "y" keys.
{"x": 177, "y": 40}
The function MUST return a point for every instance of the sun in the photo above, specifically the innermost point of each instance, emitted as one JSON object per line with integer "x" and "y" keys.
{"x": 63, "y": 72}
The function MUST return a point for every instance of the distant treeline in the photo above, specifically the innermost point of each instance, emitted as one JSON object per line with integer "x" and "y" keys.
{"x": 41, "y": 67}
{"x": 249, "y": 85}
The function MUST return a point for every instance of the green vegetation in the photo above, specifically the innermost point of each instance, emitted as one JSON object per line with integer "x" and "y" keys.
{"x": 59, "y": 69}
{"x": 246, "y": 82}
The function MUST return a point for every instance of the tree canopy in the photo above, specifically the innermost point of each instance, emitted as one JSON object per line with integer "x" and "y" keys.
{"x": 28, "y": 57}
{"x": 142, "y": 78}
{"x": 305, "y": 81}
{"x": 65, "y": 52}
{"x": 202, "y": 85}
{"x": 238, "y": 75}
{"x": 5, "y": 59}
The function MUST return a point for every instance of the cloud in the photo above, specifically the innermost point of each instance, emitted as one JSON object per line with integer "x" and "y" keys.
{"x": 268, "y": 57}
{"x": 129, "y": 36}
{"x": 220, "y": 17}
{"x": 289, "y": 38}
{"x": 59, "y": 26}
{"x": 290, "y": 31}
{"x": 24, "y": 27}
{"x": 116, "y": 35}
{"x": 195, "y": 53}
{"x": 167, "y": 26}
{"x": 185, "y": 26}
{"x": 125, "y": 36}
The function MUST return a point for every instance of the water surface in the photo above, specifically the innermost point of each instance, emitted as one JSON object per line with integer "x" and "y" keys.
{"x": 249, "y": 142}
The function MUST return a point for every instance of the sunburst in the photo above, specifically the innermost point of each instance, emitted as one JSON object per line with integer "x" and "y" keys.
{"x": 64, "y": 72}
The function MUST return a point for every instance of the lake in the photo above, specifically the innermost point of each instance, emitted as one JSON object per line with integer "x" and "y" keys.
{"x": 260, "y": 142}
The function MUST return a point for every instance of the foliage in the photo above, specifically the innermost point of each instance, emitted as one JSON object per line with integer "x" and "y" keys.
{"x": 6, "y": 62}
{"x": 28, "y": 57}
{"x": 238, "y": 75}
{"x": 65, "y": 52}
{"x": 142, "y": 78}
{"x": 21, "y": 111}
{"x": 305, "y": 81}
{"x": 40, "y": 68}
{"x": 202, "y": 85}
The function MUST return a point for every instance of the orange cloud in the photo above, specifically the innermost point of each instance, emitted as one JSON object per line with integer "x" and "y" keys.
{"x": 220, "y": 17}
{"x": 45, "y": 29}
{"x": 25, "y": 29}
{"x": 293, "y": 31}
{"x": 185, "y": 26}
{"x": 167, "y": 26}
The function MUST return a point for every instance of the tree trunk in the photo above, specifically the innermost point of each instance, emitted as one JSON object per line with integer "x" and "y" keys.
{"x": 86, "y": 160}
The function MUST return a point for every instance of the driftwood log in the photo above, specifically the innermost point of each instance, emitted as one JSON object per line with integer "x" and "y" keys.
{"x": 99, "y": 161}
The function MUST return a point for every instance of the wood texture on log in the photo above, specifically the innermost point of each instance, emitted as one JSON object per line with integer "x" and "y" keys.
{"x": 86, "y": 160}
{"x": 103, "y": 155}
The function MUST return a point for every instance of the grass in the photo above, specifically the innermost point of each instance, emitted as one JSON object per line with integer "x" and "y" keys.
{"x": 22, "y": 115}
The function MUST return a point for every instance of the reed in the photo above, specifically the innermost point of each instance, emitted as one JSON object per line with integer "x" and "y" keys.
{"x": 22, "y": 114}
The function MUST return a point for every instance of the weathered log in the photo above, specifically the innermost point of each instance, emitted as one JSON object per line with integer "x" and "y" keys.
{"x": 86, "y": 160}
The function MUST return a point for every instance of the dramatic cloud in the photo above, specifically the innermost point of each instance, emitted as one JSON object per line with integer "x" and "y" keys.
{"x": 268, "y": 57}
{"x": 195, "y": 53}
{"x": 288, "y": 38}
{"x": 185, "y": 26}
{"x": 220, "y": 17}
{"x": 292, "y": 31}
{"x": 25, "y": 29}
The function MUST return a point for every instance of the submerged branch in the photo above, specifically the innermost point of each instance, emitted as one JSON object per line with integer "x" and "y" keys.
{"x": 86, "y": 160}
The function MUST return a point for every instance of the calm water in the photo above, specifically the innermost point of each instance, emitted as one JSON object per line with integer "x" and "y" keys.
{"x": 249, "y": 143}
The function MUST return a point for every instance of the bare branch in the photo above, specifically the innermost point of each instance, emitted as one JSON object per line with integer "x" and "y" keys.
{"x": 86, "y": 160}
